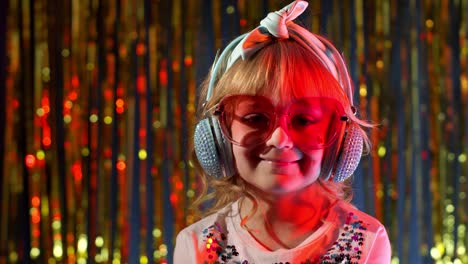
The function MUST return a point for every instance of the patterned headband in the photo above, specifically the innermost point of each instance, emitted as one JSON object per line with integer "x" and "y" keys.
{"x": 275, "y": 26}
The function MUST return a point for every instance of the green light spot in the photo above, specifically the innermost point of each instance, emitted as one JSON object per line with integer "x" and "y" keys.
{"x": 93, "y": 118}
{"x": 462, "y": 158}
{"x": 67, "y": 119}
{"x": 108, "y": 120}
{"x": 40, "y": 155}
{"x": 85, "y": 152}
{"x": 382, "y": 151}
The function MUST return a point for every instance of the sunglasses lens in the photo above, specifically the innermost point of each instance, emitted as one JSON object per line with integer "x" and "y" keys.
{"x": 247, "y": 120}
{"x": 315, "y": 122}
{"x": 312, "y": 122}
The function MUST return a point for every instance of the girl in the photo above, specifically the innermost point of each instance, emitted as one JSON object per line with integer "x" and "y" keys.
{"x": 277, "y": 138}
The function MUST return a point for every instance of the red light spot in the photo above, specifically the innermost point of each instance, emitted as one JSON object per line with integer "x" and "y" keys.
{"x": 46, "y": 141}
{"x": 36, "y": 232}
{"x": 120, "y": 90}
{"x": 30, "y": 161}
{"x": 140, "y": 49}
{"x": 142, "y": 132}
{"x": 179, "y": 185}
{"x": 45, "y": 99}
{"x": 141, "y": 83}
{"x": 35, "y": 201}
{"x": 108, "y": 94}
{"x": 424, "y": 155}
{"x": 36, "y": 218}
{"x": 15, "y": 103}
{"x": 121, "y": 165}
{"x": 174, "y": 198}
{"x": 73, "y": 96}
{"x": 188, "y": 61}
{"x": 56, "y": 216}
{"x": 76, "y": 171}
{"x": 422, "y": 36}
{"x": 163, "y": 77}
{"x": 108, "y": 152}
{"x": 46, "y": 109}
{"x": 119, "y": 102}
{"x": 243, "y": 22}
{"x": 430, "y": 36}
{"x": 75, "y": 81}
{"x": 40, "y": 163}
{"x": 67, "y": 105}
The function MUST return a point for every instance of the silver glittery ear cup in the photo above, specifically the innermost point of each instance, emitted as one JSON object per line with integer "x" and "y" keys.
{"x": 350, "y": 156}
{"x": 224, "y": 148}
{"x": 213, "y": 151}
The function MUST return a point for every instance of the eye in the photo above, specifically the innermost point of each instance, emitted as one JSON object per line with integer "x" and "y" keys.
{"x": 304, "y": 120}
{"x": 256, "y": 120}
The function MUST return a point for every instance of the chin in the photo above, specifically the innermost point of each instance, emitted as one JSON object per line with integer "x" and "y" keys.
{"x": 292, "y": 187}
{"x": 282, "y": 189}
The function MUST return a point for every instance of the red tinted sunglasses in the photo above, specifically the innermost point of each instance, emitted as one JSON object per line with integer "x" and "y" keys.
{"x": 311, "y": 122}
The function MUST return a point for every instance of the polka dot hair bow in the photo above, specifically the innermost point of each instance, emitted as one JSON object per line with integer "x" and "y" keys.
{"x": 271, "y": 27}
{"x": 275, "y": 26}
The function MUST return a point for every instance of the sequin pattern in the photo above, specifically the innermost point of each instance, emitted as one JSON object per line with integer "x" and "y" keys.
{"x": 217, "y": 250}
{"x": 347, "y": 249}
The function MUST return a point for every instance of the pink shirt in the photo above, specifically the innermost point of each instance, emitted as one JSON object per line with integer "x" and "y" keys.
{"x": 347, "y": 235}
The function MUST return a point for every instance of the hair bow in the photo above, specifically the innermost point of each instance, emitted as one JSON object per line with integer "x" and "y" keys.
{"x": 275, "y": 26}
{"x": 271, "y": 27}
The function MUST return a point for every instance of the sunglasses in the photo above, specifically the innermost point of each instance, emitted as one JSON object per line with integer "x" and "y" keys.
{"x": 250, "y": 120}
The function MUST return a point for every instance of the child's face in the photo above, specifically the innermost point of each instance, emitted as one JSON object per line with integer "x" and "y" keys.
{"x": 278, "y": 166}
{"x": 278, "y": 148}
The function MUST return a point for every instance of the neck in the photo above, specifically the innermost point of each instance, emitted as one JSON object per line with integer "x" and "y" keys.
{"x": 286, "y": 219}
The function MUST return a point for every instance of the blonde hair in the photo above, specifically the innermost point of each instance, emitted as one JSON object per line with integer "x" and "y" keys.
{"x": 285, "y": 69}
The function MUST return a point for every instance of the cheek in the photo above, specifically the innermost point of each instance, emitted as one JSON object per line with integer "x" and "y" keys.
{"x": 244, "y": 158}
{"x": 312, "y": 162}
{"x": 316, "y": 155}
{"x": 241, "y": 163}
{"x": 238, "y": 155}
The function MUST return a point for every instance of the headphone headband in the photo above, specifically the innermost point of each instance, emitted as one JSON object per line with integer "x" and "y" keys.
{"x": 217, "y": 62}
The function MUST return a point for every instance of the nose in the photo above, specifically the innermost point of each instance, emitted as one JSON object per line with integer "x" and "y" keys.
{"x": 280, "y": 138}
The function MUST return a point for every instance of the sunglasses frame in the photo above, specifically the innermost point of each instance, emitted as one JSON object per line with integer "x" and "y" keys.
{"x": 220, "y": 111}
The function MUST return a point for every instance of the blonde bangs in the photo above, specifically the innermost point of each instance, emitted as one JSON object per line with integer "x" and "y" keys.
{"x": 283, "y": 71}
{"x": 306, "y": 76}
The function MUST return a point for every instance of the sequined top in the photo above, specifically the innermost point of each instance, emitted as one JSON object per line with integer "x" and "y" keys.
{"x": 347, "y": 235}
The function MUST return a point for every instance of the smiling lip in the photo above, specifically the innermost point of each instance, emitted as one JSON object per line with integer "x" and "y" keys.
{"x": 280, "y": 162}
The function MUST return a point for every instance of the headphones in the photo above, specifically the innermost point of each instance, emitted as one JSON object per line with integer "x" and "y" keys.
{"x": 214, "y": 151}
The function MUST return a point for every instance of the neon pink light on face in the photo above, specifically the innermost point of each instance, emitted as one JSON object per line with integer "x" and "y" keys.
{"x": 279, "y": 149}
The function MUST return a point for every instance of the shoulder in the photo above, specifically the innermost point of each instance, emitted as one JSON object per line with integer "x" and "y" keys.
{"x": 358, "y": 219}
{"x": 361, "y": 237}
{"x": 199, "y": 226}
{"x": 208, "y": 222}
{"x": 195, "y": 241}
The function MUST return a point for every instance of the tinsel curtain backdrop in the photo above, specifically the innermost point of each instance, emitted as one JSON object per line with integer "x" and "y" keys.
{"x": 98, "y": 101}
